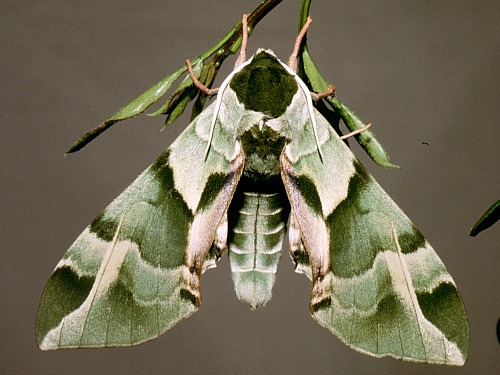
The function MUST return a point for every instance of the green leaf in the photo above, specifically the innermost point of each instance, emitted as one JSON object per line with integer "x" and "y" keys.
{"x": 490, "y": 217}
{"x": 183, "y": 86}
{"x": 174, "y": 111}
{"x": 133, "y": 108}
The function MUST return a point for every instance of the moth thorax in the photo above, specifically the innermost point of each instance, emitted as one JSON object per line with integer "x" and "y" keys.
{"x": 264, "y": 85}
{"x": 262, "y": 147}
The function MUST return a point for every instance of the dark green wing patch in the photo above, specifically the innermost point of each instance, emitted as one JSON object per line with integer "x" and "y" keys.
{"x": 443, "y": 307}
{"x": 362, "y": 220}
{"x": 63, "y": 282}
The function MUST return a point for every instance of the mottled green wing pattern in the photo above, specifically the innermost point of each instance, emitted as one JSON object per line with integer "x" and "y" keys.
{"x": 135, "y": 271}
{"x": 377, "y": 283}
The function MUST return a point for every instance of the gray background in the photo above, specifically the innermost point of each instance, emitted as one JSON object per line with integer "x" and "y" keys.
{"x": 420, "y": 71}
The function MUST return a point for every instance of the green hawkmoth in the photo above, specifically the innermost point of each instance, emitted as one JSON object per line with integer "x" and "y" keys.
{"x": 258, "y": 162}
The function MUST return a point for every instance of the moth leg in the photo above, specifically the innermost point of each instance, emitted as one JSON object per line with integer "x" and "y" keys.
{"x": 219, "y": 246}
{"x": 357, "y": 131}
{"x": 244, "y": 41}
{"x": 323, "y": 94}
{"x": 331, "y": 91}
{"x": 197, "y": 82}
{"x": 298, "y": 252}
{"x": 292, "y": 61}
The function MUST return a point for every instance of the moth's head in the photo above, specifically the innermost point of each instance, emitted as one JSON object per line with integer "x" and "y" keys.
{"x": 265, "y": 84}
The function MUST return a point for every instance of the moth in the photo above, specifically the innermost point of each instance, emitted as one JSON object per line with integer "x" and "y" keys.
{"x": 258, "y": 162}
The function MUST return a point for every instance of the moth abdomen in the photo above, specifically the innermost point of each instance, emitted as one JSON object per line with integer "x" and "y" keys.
{"x": 257, "y": 225}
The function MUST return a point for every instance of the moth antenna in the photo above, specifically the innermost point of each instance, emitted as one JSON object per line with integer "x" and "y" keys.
{"x": 218, "y": 103}
{"x": 313, "y": 120}
{"x": 310, "y": 107}
{"x": 244, "y": 42}
{"x": 210, "y": 92}
{"x": 292, "y": 60}
{"x": 357, "y": 131}
{"x": 197, "y": 82}
{"x": 212, "y": 126}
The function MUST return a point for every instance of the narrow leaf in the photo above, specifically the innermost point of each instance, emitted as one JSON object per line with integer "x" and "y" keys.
{"x": 133, "y": 108}
{"x": 186, "y": 82}
{"x": 490, "y": 217}
{"x": 180, "y": 105}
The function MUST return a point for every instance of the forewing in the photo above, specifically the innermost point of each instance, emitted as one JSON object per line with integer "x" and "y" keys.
{"x": 135, "y": 270}
{"x": 377, "y": 283}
